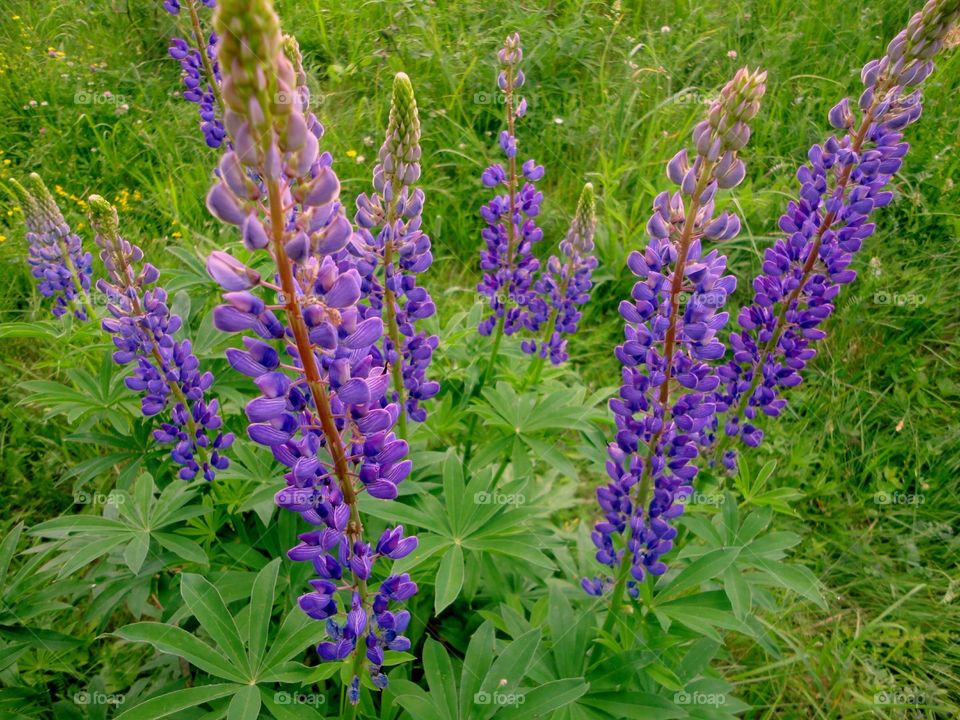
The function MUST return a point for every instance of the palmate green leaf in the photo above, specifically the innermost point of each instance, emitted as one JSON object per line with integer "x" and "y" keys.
{"x": 414, "y": 699}
{"x": 296, "y": 632}
{"x": 453, "y": 491}
{"x": 476, "y": 664}
{"x": 738, "y": 591}
{"x": 519, "y": 547}
{"x": 7, "y": 548}
{"x": 707, "y": 567}
{"x": 796, "y": 578}
{"x": 245, "y": 705}
{"x": 428, "y": 547}
{"x": 544, "y": 700}
{"x": 261, "y": 608}
{"x": 449, "y": 578}
{"x": 634, "y": 706}
{"x": 439, "y": 673}
{"x": 206, "y": 604}
{"x": 140, "y": 518}
{"x": 170, "y": 704}
{"x": 183, "y": 547}
{"x": 511, "y": 664}
{"x": 174, "y": 640}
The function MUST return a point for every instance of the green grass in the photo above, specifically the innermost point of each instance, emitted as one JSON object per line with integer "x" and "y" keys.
{"x": 614, "y": 89}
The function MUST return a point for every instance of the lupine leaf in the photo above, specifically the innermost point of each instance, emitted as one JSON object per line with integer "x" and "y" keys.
{"x": 705, "y": 568}
{"x": 439, "y": 673}
{"x": 174, "y": 640}
{"x": 176, "y": 701}
{"x": 543, "y": 700}
{"x": 208, "y": 607}
{"x": 476, "y": 663}
{"x": 261, "y": 608}
{"x": 245, "y": 705}
{"x": 797, "y": 578}
{"x": 449, "y": 578}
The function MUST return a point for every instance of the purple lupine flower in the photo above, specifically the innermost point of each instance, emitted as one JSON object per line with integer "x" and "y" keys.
{"x": 55, "y": 254}
{"x": 672, "y": 320}
{"x": 322, "y": 409}
{"x": 173, "y": 6}
{"x": 394, "y": 212}
{"x": 563, "y": 286}
{"x": 201, "y": 72}
{"x": 845, "y": 180}
{"x": 507, "y": 261}
{"x": 165, "y": 368}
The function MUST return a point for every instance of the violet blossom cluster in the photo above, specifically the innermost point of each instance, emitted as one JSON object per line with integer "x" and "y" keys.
{"x": 166, "y": 371}
{"x": 55, "y": 254}
{"x": 201, "y": 71}
{"x": 322, "y": 408}
{"x": 845, "y": 180}
{"x": 671, "y": 325}
{"x": 390, "y": 225}
{"x": 507, "y": 261}
{"x": 563, "y": 286}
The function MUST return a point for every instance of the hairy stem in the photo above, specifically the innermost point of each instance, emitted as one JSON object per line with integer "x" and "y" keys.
{"x": 669, "y": 345}
{"x": 311, "y": 371}
{"x": 390, "y": 304}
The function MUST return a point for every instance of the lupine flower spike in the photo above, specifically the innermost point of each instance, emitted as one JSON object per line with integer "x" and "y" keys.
{"x": 201, "y": 72}
{"x": 672, "y": 319}
{"x": 562, "y": 287}
{"x": 321, "y": 409}
{"x": 845, "y": 181}
{"x": 166, "y": 370}
{"x": 507, "y": 261}
{"x": 55, "y": 254}
{"x": 390, "y": 222}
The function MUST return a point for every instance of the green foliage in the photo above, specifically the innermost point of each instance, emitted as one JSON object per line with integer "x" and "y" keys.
{"x": 126, "y": 593}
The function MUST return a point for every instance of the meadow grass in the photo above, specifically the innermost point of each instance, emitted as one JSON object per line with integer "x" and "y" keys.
{"x": 614, "y": 88}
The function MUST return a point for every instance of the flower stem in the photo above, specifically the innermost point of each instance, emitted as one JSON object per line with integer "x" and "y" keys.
{"x": 201, "y": 42}
{"x": 491, "y": 362}
{"x": 311, "y": 372}
{"x": 390, "y": 304}
{"x": 669, "y": 345}
{"x": 82, "y": 295}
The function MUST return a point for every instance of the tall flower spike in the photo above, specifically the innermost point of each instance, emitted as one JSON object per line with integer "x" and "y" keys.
{"x": 564, "y": 286}
{"x": 201, "y": 72}
{"x": 672, "y": 320}
{"x": 56, "y": 255}
{"x": 389, "y": 224}
{"x": 845, "y": 180}
{"x": 507, "y": 261}
{"x": 165, "y": 368}
{"x": 321, "y": 409}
